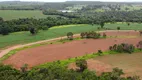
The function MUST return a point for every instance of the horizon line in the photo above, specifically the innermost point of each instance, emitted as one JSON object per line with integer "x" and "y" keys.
{"x": 74, "y": 1}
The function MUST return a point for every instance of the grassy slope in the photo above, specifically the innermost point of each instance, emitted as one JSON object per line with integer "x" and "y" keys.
{"x": 15, "y": 14}
{"x": 26, "y": 37}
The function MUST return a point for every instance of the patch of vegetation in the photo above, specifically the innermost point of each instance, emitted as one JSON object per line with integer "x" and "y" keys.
{"x": 123, "y": 48}
{"x": 16, "y": 14}
{"x": 92, "y": 34}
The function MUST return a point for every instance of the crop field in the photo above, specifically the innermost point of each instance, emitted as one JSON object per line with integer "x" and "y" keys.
{"x": 76, "y": 48}
{"x": 16, "y": 14}
{"x": 26, "y": 37}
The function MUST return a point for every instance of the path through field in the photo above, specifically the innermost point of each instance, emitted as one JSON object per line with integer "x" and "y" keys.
{"x": 5, "y": 51}
{"x": 52, "y": 52}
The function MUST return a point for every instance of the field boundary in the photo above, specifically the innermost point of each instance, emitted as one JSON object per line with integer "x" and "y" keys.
{"x": 12, "y": 50}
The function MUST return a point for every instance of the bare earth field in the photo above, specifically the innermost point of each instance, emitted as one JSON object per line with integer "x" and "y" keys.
{"x": 130, "y": 63}
{"x": 53, "y": 52}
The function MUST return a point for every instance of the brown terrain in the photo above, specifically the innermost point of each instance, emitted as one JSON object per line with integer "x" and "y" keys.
{"x": 53, "y": 52}
{"x": 130, "y": 63}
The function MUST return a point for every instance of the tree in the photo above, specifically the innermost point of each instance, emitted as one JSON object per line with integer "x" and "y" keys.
{"x": 33, "y": 30}
{"x": 82, "y": 35}
{"x": 102, "y": 24}
{"x": 82, "y": 64}
{"x": 70, "y": 35}
{"x": 128, "y": 24}
{"x": 118, "y": 28}
{"x": 4, "y": 30}
{"x": 100, "y": 52}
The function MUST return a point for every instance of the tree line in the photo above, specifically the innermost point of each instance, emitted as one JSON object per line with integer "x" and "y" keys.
{"x": 92, "y": 18}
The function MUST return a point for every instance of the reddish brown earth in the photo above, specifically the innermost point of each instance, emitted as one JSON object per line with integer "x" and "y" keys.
{"x": 130, "y": 63}
{"x": 94, "y": 65}
{"x": 53, "y": 52}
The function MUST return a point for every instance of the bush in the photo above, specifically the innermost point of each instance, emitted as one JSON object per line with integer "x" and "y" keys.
{"x": 33, "y": 30}
{"x": 44, "y": 28}
{"x": 123, "y": 47}
{"x": 70, "y": 35}
{"x": 118, "y": 28}
{"x": 82, "y": 35}
{"x": 82, "y": 64}
{"x": 100, "y": 52}
{"x": 92, "y": 34}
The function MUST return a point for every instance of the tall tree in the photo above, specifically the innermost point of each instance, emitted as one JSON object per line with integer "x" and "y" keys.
{"x": 102, "y": 24}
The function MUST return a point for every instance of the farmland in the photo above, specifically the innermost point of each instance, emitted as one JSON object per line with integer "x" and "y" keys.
{"x": 16, "y": 14}
{"x": 26, "y": 37}
{"x": 45, "y": 41}
{"x": 72, "y": 49}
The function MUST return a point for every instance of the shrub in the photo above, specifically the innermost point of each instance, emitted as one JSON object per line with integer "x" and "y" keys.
{"x": 118, "y": 28}
{"x": 33, "y": 30}
{"x": 82, "y": 35}
{"x": 123, "y": 47}
{"x": 70, "y": 35}
{"x": 100, "y": 52}
{"x": 90, "y": 35}
{"x": 44, "y": 28}
{"x": 82, "y": 64}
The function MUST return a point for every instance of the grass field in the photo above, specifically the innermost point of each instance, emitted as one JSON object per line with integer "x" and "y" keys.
{"x": 130, "y": 63}
{"x": 26, "y": 37}
{"x": 16, "y": 14}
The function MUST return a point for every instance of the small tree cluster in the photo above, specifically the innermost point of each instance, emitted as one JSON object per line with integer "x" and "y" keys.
{"x": 90, "y": 35}
{"x": 70, "y": 35}
{"x": 123, "y": 47}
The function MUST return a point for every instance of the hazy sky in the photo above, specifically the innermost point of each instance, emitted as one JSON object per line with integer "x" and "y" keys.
{"x": 78, "y": 0}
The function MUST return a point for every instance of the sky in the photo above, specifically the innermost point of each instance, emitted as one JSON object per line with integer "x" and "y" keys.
{"x": 78, "y": 0}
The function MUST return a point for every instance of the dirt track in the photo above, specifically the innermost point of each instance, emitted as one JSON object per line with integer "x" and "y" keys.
{"x": 48, "y": 53}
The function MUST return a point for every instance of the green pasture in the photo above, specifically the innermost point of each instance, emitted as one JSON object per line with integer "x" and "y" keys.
{"x": 16, "y": 14}
{"x": 58, "y": 31}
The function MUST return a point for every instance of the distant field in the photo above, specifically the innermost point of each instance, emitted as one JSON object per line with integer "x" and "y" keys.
{"x": 26, "y": 37}
{"x": 131, "y": 8}
{"x": 15, "y": 14}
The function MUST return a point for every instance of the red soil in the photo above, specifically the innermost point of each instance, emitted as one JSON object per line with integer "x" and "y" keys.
{"x": 53, "y": 52}
{"x": 96, "y": 65}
